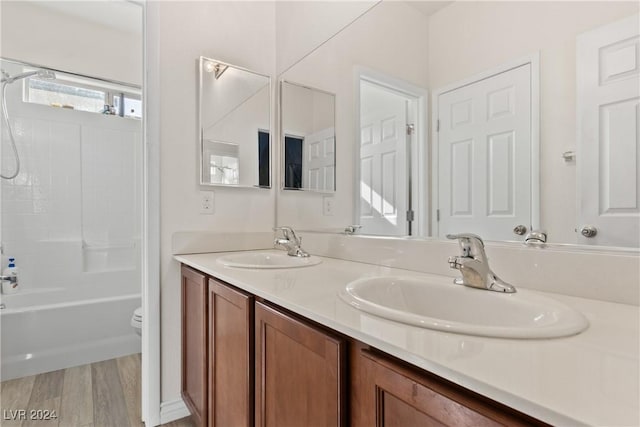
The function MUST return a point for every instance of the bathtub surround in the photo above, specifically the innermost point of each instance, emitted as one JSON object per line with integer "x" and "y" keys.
{"x": 72, "y": 217}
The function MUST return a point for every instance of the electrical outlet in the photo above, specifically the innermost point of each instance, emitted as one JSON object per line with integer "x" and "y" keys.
{"x": 206, "y": 202}
{"x": 327, "y": 205}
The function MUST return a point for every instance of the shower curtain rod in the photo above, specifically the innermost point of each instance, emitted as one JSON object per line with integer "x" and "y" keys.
{"x": 71, "y": 73}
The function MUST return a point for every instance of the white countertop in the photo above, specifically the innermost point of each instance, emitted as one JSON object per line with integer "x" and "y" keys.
{"x": 588, "y": 379}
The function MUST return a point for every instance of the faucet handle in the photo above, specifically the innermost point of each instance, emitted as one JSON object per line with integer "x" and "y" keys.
{"x": 289, "y": 234}
{"x": 453, "y": 262}
{"x": 471, "y": 245}
{"x": 351, "y": 229}
{"x": 466, "y": 236}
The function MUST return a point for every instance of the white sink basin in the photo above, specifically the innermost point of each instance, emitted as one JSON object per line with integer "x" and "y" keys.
{"x": 439, "y": 304}
{"x": 267, "y": 260}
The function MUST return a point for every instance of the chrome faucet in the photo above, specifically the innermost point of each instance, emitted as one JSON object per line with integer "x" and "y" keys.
{"x": 474, "y": 265}
{"x": 290, "y": 242}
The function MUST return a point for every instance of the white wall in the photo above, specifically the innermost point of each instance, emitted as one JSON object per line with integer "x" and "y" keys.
{"x": 303, "y": 26}
{"x": 240, "y": 33}
{"x": 44, "y": 36}
{"x": 306, "y": 111}
{"x": 466, "y": 38}
{"x": 394, "y": 51}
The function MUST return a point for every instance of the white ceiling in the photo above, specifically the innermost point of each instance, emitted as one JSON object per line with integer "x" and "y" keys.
{"x": 122, "y": 15}
{"x": 428, "y": 7}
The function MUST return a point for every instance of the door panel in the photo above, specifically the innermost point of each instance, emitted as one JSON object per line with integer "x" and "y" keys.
{"x": 608, "y": 155}
{"x": 484, "y": 149}
{"x": 318, "y": 167}
{"x": 383, "y": 161}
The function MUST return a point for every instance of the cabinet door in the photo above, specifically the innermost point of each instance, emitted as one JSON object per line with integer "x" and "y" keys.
{"x": 230, "y": 356}
{"x": 300, "y": 374}
{"x": 386, "y": 393}
{"x": 194, "y": 343}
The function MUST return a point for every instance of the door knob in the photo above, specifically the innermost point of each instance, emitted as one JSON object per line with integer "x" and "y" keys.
{"x": 588, "y": 231}
{"x": 520, "y": 230}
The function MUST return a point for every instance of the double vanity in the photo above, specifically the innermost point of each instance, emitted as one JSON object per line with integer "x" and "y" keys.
{"x": 375, "y": 125}
{"x": 271, "y": 339}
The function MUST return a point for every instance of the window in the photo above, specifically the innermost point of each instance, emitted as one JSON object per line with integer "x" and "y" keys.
{"x": 224, "y": 169}
{"x": 224, "y": 162}
{"x": 49, "y": 92}
{"x": 84, "y": 94}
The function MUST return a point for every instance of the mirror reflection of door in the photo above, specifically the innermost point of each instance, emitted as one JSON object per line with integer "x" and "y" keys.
{"x": 608, "y": 155}
{"x": 385, "y": 165}
{"x": 484, "y": 150}
{"x": 318, "y": 160}
{"x": 308, "y": 126}
{"x": 293, "y": 149}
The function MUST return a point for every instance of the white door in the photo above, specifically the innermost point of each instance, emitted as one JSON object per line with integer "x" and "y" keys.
{"x": 608, "y": 151}
{"x": 318, "y": 166}
{"x": 383, "y": 161}
{"x": 484, "y": 156}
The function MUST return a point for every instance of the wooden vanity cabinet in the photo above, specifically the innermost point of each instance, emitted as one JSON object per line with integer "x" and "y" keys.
{"x": 231, "y": 362}
{"x": 385, "y": 392}
{"x": 194, "y": 344}
{"x": 300, "y": 372}
{"x": 245, "y": 360}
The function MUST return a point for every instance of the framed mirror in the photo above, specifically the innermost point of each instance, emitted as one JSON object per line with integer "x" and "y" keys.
{"x": 234, "y": 124}
{"x": 473, "y": 117}
{"x": 308, "y": 138}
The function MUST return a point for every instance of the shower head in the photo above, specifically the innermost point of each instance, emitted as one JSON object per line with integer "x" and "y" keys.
{"x": 41, "y": 74}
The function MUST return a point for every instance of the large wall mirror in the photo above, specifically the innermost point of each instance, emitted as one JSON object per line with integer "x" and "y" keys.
{"x": 488, "y": 117}
{"x": 234, "y": 124}
{"x": 308, "y": 131}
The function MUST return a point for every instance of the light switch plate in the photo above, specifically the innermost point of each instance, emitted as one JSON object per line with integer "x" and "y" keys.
{"x": 207, "y": 204}
{"x": 327, "y": 205}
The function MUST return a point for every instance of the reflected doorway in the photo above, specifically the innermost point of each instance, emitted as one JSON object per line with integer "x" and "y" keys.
{"x": 388, "y": 129}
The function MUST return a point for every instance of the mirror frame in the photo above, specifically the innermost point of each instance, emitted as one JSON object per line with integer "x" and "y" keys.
{"x": 282, "y": 134}
{"x": 200, "y": 63}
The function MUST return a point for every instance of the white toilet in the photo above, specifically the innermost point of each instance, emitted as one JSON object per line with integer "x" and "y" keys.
{"x": 136, "y": 321}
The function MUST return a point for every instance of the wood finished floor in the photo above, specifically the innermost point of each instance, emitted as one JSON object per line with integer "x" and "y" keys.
{"x": 102, "y": 394}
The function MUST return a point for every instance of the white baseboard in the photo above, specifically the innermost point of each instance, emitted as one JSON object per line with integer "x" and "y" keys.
{"x": 173, "y": 410}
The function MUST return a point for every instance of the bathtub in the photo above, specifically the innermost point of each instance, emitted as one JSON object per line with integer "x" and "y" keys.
{"x": 47, "y": 330}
